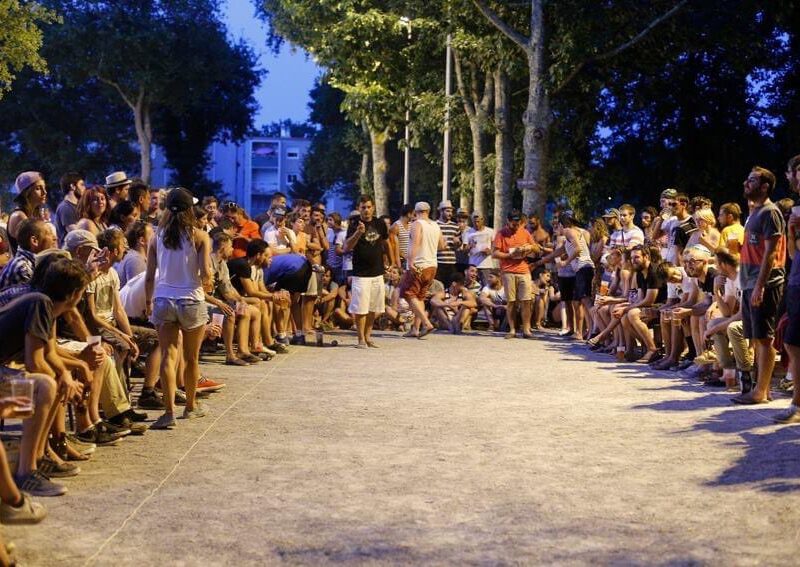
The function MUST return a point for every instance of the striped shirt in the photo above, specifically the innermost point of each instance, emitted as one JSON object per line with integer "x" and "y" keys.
{"x": 402, "y": 238}
{"x": 19, "y": 270}
{"x": 449, "y": 231}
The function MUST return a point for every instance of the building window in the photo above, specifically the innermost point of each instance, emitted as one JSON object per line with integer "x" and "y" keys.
{"x": 292, "y": 153}
{"x": 291, "y": 178}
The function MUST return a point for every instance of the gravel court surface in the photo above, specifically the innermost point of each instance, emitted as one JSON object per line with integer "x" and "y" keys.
{"x": 451, "y": 450}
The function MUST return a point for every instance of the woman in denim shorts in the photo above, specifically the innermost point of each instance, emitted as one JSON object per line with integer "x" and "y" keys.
{"x": 176, "y": 298}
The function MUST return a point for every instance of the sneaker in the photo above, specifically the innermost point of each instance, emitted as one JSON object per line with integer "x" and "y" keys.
{"x": 250, "y": 358}
{"x": 299, "y": 340}
{"x": 278, "y": 348}
{"x": 198, "y": 411}
{"x": 113, "y": 429}
{"x": 180, "y": 397}
{"x": 166, "y": 421}
{"x": 51, "y": 468}
{"x": 209, "y": 385}
{"x": 29, "y": 512}
{"x": 37, "y": 484}
{"x": 790, "y": 415}
{"x": 150, "y": 400}
{"x": 134, "y": 428}
{"x": 282, "y": 340}
{"x": 82, "y": 447}
{"x": 98, "y": 436}
{"x": 268, "y": 351}
{"x": 135, "y": 416}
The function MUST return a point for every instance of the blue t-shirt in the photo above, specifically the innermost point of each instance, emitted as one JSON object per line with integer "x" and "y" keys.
{"x": 283, "y": 265}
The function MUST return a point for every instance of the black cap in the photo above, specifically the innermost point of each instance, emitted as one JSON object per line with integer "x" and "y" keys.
{"x": 179, "y": 199}
{"x": 514, "y": 215}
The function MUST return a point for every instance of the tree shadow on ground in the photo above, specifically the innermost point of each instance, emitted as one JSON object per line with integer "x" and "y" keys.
{"x": 693, "y": 404}
{"x": 733, "y": 420}
{"x": 769, "y": 464}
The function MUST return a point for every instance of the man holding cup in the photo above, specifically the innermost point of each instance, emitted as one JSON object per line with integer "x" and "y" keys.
{"x": 512, "y": 244}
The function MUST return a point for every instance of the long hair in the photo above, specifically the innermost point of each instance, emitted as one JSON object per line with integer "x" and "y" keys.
{"x": 175, "y": 226}
{"x": 599, "y": 231}
{"x": 25, "y": 204}
{"x": 85, "y": 204}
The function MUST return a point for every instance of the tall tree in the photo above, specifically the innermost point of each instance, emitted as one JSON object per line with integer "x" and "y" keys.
{"x": 164, "y": 58}
{"x": 547, "y": 59}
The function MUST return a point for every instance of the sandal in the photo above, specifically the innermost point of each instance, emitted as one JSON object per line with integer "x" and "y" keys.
{"x": 235, "y": 362}
{"x": 648, "y": 357}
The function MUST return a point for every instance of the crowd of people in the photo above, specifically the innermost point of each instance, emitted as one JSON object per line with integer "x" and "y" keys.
{"x": 125, "y": 279}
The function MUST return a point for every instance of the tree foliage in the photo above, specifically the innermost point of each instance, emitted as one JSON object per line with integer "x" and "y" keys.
{"x": 21, "y": 39}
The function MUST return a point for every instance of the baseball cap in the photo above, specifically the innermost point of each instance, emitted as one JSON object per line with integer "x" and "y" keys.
{"x": 279, "y": 211}
{"x": 669, "y": 193}
{"x": 611, "y": 213}
{"x": 422, "y": 206}
{"x": 179, "y": 199}
{"x": 25, "y": 180}
{"x": 79, "y": 237}
{"x": 514, "y": 215}
{"x": 446, "y": 204}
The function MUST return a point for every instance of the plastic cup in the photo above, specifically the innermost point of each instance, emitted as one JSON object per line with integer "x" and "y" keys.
{"x": 320, "y": 337}
{"x": 217, "y": 319}
{"x": 22, "y": 389}
{"x": 603, "y": 287}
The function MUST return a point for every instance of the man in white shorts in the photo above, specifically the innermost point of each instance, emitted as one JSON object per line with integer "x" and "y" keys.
{"x": 368, "y": 240}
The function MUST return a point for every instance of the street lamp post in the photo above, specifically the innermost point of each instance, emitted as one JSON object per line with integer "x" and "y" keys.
{"x": 446, "y": 157}
{"x": 407, "y": 150}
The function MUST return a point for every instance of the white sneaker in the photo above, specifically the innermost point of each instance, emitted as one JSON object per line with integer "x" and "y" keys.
{"x": 29, "y": 512}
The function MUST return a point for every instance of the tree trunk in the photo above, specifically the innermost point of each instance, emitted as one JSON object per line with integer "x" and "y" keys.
{"x": 536, "y": 119}
{"x": 380, "y": 165}
{"x": 144, "y": 134}
{"x": 477, "y": 167}
{"x": 503, "y": 149}
{"x": 364, "y": 182}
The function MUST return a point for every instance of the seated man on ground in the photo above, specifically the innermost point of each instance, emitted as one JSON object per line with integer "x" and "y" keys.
{"x": 493, "y": 299}
{"x": 453, "y": 306}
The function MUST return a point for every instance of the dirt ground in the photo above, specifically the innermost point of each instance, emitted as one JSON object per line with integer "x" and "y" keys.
{"x": 451, "y": 450}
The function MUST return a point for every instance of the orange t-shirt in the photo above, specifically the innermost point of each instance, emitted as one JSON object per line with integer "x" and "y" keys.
{"x": 504, "y": 241}
{"x": 244, "y": 234}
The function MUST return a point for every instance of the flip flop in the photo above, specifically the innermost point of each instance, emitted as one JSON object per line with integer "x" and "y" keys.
{"x": 424, "y": 332}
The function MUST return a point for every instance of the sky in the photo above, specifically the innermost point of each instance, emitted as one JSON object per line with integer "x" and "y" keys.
{"x": 284, "y": 91}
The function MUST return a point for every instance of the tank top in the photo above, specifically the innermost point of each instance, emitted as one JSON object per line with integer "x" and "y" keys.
{"x": 426, "y": 255}
{"x": 402, "y": 238}
{"x": 178, "y": 271}
{"x": 583, "y": 259}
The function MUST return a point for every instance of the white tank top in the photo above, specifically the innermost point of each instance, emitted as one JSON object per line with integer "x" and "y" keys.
{"x": 583, "y": 259}
{"x": 430, "y": 234}
{"x": 178, "y": 271}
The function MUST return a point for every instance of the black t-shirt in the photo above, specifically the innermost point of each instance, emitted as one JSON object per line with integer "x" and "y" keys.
{"x": 681, "y": 231}
{"x": 368, "y": 251}
{"x": 239, "y": 270}
{"x": 32, "y": 312}
{"x": 708, "y": 285}
{"x": 652, "y": 281}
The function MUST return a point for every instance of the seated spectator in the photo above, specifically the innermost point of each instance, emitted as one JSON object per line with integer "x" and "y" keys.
{"x": 33, "y": 237}
{"x": 493, "y": 300}
{"x": 727, "y": 300}
{"x": 134, "y": 262}
{"x": 245, "y": 229}
{"x": 280, "y": 238}
{"x": 245, "y": 319}
{"x": 452, "y": 307}
{"x": 706, "y": 234}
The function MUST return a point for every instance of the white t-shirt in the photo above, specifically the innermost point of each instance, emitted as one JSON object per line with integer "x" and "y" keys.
{"x": 497, "y": 296}
{"x": 668, "y": 252}
{"x": 732, "y": 288}
{"x": 280, "y": 242}
{"x": 103, "y": 287}
{"x": 478, "y": 240}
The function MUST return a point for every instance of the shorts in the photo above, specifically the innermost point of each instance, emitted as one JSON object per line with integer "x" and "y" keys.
{"x": 583, "y": 283}
{"x": 367, "y": 295}
{"x": 313, "y": 284}
{"x": 417, "y": 283}
{"x": 187, "y": 313}
{"x": 567, "y": 288}
{"x": 760, "y": 322}
{"x": 791, "y": 335}
{"x": 519, "y": 287}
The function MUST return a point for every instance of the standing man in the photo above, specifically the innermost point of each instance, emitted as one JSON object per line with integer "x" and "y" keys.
{"x": 761, "y": 274}
{"x": 681, "y": 228}
{"x": 139, "y": 196}
{"x": 368, "y": 239}
{"x": 425, "y": 239}
{"x": 511, "y": 246}
{"x": 479, "y": 241}
{"x": 117, "y": 186}
{"x": 446, "y": 259}
{"x": 732, "y": 235}
{"x": 72, "y": 185}
{"x": 628, "y": 235}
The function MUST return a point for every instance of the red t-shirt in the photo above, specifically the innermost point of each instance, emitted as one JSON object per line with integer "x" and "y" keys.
{"x": 504, "y": 241}
{"x": 247, "y": 231}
